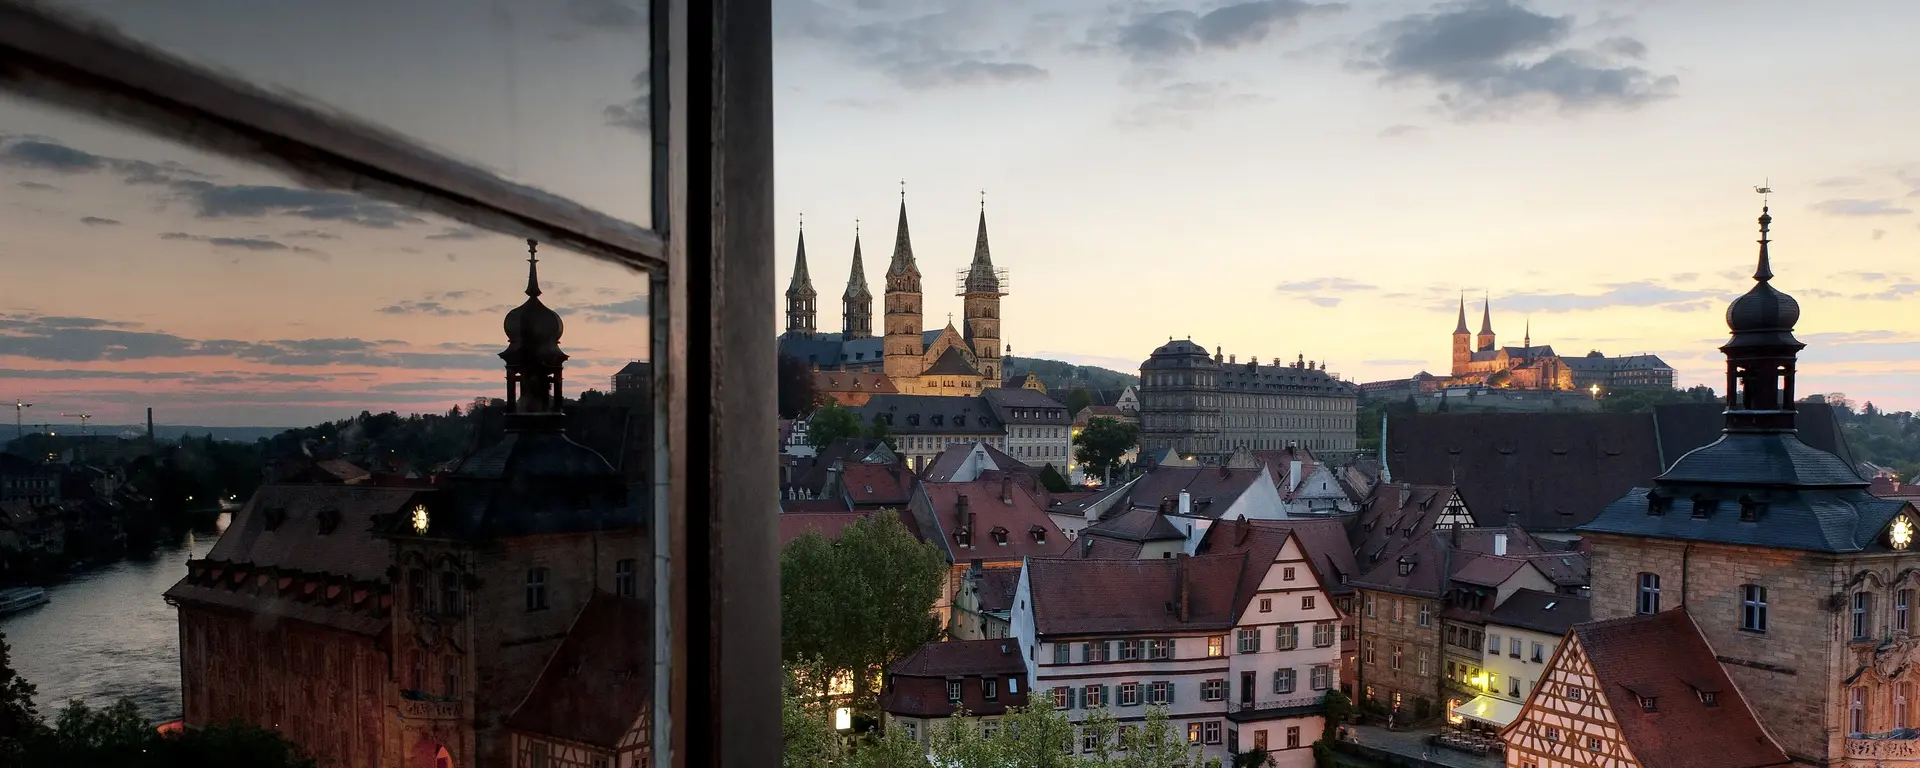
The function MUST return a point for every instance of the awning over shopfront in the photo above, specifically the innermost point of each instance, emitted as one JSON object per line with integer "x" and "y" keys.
{"x": 1488, "y": 710}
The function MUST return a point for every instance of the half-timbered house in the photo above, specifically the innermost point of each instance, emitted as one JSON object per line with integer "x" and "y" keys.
{"x": 1639, "y": 692}
{"x": 591, "y": 707}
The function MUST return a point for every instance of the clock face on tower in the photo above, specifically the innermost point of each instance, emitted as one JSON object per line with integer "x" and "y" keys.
{"x": 419, "y": 518}
{"x": 1900, "y": 534}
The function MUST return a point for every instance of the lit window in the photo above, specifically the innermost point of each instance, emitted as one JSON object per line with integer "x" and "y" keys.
{"x": 1216, "y": 646}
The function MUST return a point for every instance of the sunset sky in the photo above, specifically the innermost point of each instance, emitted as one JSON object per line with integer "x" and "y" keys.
{"x": 1274, "y": 178}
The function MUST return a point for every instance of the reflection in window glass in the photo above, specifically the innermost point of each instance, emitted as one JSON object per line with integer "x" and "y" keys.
{"x": 369, "y": 428}
{"x": 549, "y": 94}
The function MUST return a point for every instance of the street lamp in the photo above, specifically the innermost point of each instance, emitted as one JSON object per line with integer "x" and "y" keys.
{"x": 1595, "y": 391}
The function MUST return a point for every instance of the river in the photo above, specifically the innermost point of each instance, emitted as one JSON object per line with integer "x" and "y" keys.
{"x": 107, "y": 633}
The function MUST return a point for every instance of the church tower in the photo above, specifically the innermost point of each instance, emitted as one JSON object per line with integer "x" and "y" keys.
{"x": 1486, "y": 325}
{"x": 856, "y": 312}
{"x": 801, "y": 305}
{"x": 1762, "y": 353}
{"x": 1462, "y": 342}
{"x": 981, "y": 287}
{"x": 903, "y": 341}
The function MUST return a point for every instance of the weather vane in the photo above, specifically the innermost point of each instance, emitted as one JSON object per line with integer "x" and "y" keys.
{"x": 1766, "y": 192}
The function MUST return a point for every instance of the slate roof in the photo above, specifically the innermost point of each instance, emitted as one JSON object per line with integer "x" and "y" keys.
{"x": 938, "y": 414}
{"x": 1027, "y": 406}
{"x": 872, "y": 382}
{"x": 1212, "y": 489}
{"x": 1540, "y": 471}
{"x": 1664, "y": 655}
{"x": 997, "y": 656}
{"x": 997, "y": 586}
{"x": 829, "y": 349}
{"x": 597, "y": 685}
{"x": 952, "y": 362}
{"x": 1102, "y": 548}
{"x": 1396, "y": 515}
{"x": 1258, "y": 541}
{"x": 1141, "y": 525}
{"x": 1437, "y": 561}
{"x": 1564, "y": 569}
{"x": 1093, "y": 597}
{"x": 1327, "y": 545}
{"x": 1546, "y": 612}
{"x": 1682, "y": 427}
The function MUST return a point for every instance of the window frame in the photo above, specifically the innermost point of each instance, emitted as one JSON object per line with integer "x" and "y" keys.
{"x": 1753, "y": 608}
{"x": 1646, "y": 594}
{"x": 711, "y": 239}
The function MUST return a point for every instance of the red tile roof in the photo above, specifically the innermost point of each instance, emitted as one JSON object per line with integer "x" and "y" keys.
{"x": 1665, "y": 655}
{"x": 963, "y": 657}
{"x": 1326, "y": 544}
{"x": 597, "y": 684}
{"x": 1136, "y": 525}
{"x": 788, "y": 506}
{"x": 997, "y": 506}
{"x": 830, "y": 524}
{"x": 1101, "y": 548}
{"x": 1091, "y": 597}
{"x": 877, "y": 484}
{"x": 997, "y": 586}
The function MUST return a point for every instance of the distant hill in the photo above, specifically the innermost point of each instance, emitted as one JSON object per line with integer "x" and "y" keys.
{"x": 1059, "y": 375}
{"x": 174, "y": 431}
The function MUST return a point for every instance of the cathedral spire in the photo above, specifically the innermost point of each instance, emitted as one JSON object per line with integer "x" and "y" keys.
{"x": 981, "y": 277}
{"x": 856, "y": 319}
{"x": 1527, "y": 340}
{"x": 1461, "y": 326}
{"x": 1486, "y": 315}
{"x": 1764, "y": 271}
{"x": 903, "y": 262}
{"x": 800, "y": 294}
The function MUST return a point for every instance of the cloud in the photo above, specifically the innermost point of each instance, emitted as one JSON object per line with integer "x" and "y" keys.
{"x": 49, "y": 156}
{"x": 635, "y": 114}
{"x": 460, "y": 233}
{"x": 1175, "y": 104}
{"x": 312, "y": 234}
{"x": 1324, "y": 284}
{"x": 1154, "y": 37}
{"x": 441, "y": 305}
{"x": 255, "y": 244}
{"x": 1860, "y": 207}
{"x": 1635, "y": 294}
{"x": 86, "y": 340}
{"x": 1323, "y": 301}
{"x": 1396, "y": 131}
{"x": 615, "y": 311}
{"x": 918, "y": 50}
{"x": 1896, "y": 292}
{"x": 37, "y": 186}
{"x": 96, "y": 221}
{"x": 1879, "y": 233}
{"x": 1493, "y": 57}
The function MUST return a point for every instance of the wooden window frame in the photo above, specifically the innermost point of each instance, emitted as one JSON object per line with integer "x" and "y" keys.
{"x": 709, "y": 261}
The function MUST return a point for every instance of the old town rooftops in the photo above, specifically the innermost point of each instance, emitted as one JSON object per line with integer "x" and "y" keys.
{"x": 1210, "y": 490}
{"x": 991, "y": 520}
{"x": 932, "y": 415}
{"x": 1664, "y": 657}
{"x": 1540, "y": 471}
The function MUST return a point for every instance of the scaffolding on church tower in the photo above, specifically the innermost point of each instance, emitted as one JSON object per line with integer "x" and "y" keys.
{"x": 1002, "y": 282}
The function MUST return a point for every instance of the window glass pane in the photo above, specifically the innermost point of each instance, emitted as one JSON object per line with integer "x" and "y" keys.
{"x": 334, "y": 495}
{"x": 553, "y": 95}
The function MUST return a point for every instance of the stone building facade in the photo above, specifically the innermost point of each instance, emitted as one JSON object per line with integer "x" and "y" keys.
{"x": 1207, "y": 407}
{"x": 953, "y": 361}
{"x": 1478, "y": 361}
{"x": 1803, "y": 583}
{"x": 407, "y": 625}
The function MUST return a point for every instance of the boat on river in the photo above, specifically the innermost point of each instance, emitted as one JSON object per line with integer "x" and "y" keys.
{"x": 21, "y": 598}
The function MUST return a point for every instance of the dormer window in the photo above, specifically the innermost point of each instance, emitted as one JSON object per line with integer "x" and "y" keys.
{"x": 1703, "y": 506}
{"x": 913, "y": 419}
{"x": 1751, "y": 509}
{"x": 1657, "y": 504}
{"x": 1647, "y": 704}
{"x": 1038, "y": 533}
{"x": 959, "y": 421}
{"x": 1406, "y": 566}
{"x": 999, "y": 535}
{"x": 1710, "y": 698}
{"x": 939, "y": 420}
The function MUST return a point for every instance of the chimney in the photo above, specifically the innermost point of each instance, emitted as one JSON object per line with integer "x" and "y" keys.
{"x": 1186, "y": 503}
{"x": 1293, "y": 475}
{"x": 963, "y": 514}
{"x": 1006, "y": 489}
{"x": 149, "y": 425}
{"x": 1086, "y": 545}
{"x": 1181, "y": 600}
{"x": 1499, "y": 543}
{"x": 1241, "y": 530}
{"x": 1453, "y": 534}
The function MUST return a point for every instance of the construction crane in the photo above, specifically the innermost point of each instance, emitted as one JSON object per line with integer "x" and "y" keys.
{"x": 84, "y": 430}
{"x": 19, "y": 427}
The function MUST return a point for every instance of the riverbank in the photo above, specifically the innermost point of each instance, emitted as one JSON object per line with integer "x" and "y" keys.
{"x": 106, "y": 633}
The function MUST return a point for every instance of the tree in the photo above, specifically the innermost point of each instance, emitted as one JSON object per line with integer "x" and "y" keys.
{"x": 18, "y": 718}
{"x": 118, "y": 736}
{"x": 960, "y": 743}
{"x": 808, "y": 739}
{"x": 1103, "y": 442}
{"x": 1051, "y": 479}
{"x": 880, "y": 430}
{"x": 1037, "y": 736}
{"x": 856, "y": 605}
{"x": 1078, "y": 399}
{"x": 1257, "y": 757}
{"x": 1154, "y": 744}
{"x": 889, "y": 748}
{"x": 831, "y": 422}
{"x": 796, "y": 392}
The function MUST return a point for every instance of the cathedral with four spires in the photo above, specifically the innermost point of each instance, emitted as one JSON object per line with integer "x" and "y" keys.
{"x": 959, "y": 362}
